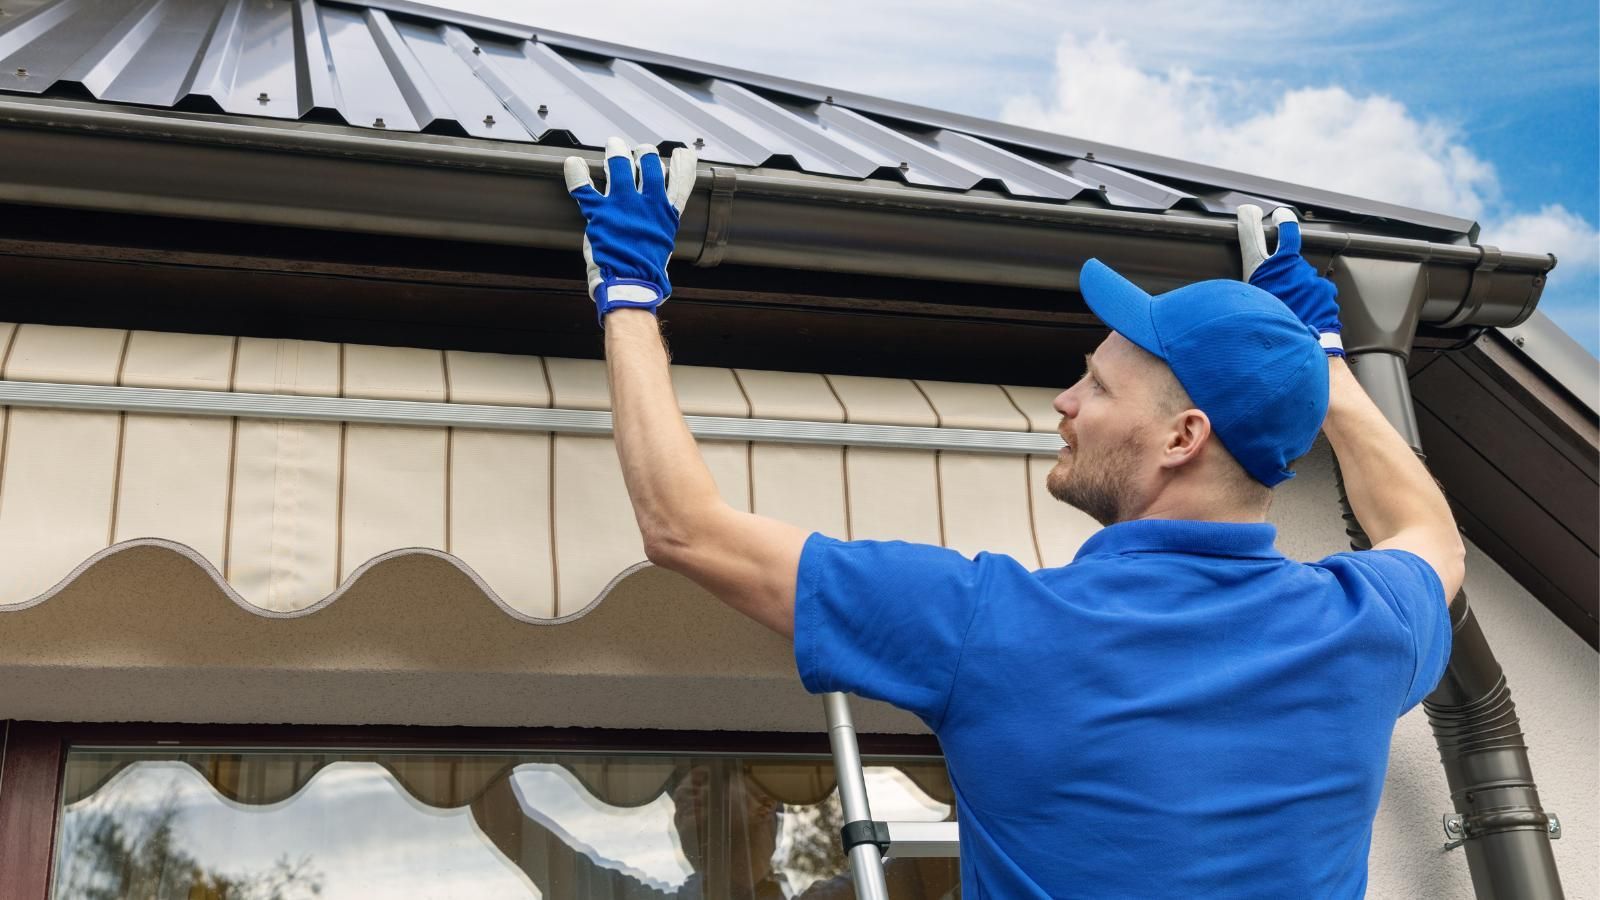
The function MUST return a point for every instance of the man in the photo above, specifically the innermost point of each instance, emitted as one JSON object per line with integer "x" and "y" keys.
{"x": 1182, "y": 711}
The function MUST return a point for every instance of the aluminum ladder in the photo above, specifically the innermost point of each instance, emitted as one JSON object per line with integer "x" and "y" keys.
{"x": 867, "y": 842}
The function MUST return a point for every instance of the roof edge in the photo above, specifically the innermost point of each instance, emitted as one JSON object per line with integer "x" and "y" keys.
{"x": 1036, "y": 139}
{"x": 1542, "y": 342}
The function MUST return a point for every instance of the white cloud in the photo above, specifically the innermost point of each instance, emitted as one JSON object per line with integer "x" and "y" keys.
{"x": 1553, "y": 229}
{"x": 1326, "y": 137}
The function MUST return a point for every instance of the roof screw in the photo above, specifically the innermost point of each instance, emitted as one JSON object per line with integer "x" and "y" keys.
{"x": 1519, "y": 340}
{"x": 544, "y": 110}
{"x": 22, "y": 73}
{"x": 1102, "y": 187}
{"x": 378, "y": 123}
{"x": 488, "y": 121}
{"x": 699, "y": 143}
{"x": 1089, "y": 155}
{"x": 477, "y": 51}
{"x": 828, "y": 99}
{"x": 262, "y": 98}
{"x": 1311, "y": 214}
{"x": 905, "y": 167}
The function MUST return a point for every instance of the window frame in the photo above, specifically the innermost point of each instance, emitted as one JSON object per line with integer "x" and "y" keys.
{"x": 33, "y": 761}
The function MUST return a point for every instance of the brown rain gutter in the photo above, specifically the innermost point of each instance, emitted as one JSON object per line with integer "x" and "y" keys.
{"x": 87, "y": 156}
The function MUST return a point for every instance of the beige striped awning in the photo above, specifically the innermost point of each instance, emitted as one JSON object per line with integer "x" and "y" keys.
{"x": 176, "y": 551}
{"x": 288, "y": 513}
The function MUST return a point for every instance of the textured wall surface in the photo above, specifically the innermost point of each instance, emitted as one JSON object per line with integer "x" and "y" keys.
{"x": 1553, "y": 676}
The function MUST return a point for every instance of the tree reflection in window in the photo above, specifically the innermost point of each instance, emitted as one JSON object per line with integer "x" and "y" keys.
{"x": 279, "y": 825}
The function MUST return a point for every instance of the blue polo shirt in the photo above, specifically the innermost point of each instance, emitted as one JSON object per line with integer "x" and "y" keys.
{"x": 1180, "y": 712}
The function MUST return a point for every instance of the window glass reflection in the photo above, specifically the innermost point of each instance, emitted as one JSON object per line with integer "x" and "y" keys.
{"x": 288, "y": 825}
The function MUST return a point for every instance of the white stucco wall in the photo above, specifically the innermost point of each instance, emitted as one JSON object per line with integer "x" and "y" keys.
{"x": 1555, "y": 681}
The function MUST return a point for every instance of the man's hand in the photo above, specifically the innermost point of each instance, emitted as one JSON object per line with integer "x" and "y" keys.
{"x": 1286, "y": 275}
{"x": 633, "y": 225}
{"x": 1393, "y": 496}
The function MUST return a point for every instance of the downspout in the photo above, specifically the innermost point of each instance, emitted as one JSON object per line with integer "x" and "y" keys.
{"x": 1498, "y": 818}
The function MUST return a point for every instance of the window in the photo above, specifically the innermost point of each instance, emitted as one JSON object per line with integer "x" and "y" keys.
{"x": 291, "y": 824}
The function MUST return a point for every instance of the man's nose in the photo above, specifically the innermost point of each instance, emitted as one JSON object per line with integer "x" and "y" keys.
{"x": 1066, "y": 404}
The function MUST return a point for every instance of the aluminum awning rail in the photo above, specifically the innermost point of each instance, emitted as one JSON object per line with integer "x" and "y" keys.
{"x": 506, "y": 418}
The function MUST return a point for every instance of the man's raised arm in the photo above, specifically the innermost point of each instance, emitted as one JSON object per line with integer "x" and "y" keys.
{"x": 1390, "y": 491}
{"x": 747, "y": 561}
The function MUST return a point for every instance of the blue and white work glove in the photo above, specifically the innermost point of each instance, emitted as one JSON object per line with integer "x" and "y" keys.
{"x": 632, "y": 226}
{"x": 1286, "y": 274}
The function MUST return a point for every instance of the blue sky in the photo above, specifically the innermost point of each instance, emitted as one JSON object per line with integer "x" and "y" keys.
{"x": 1485, "y": 110}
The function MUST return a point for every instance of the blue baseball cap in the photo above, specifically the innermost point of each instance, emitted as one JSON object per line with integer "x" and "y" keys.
{"x": 1247, "y": 362}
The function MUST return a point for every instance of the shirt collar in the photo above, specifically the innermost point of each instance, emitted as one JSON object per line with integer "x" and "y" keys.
{"x": 1251, "y": 540}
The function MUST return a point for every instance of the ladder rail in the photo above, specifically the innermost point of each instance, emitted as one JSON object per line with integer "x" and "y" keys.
{"x": 866, "y": 866}
{"x": 893, "y": 839}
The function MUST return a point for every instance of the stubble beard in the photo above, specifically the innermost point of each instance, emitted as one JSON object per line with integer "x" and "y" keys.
{"x": 1099, "y": 483}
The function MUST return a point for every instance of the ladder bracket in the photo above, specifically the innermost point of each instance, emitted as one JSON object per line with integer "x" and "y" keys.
{"x": 865, "y": 831}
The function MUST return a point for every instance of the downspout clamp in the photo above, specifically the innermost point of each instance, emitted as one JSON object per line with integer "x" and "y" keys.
{"x": 1498, "y": 818}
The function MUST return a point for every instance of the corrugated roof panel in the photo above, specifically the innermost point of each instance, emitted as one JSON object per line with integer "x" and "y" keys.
{"x": 257, "y": 64}
{"x": 470, "y": 100}
{"x": 1022, "y": 177}
{"x": 541, "y": 80}
{"x": 715, "y": 135}
{"x": 107, "y": 59}
{"x": 314, "y": 68}
{"x": 664, "y": 111}
{"x": 1123, "y": 188}
{"x": 147, "y": 74}
{"x": 218, "y": 58}
{"x": 1227, "y": 202}
{"x": 414, "y": 68}
{"x": 374, "y": 97}
{"x": 917, "y": 162}
{"x": 786, "y": 132}
{"x": 36, "y": 49}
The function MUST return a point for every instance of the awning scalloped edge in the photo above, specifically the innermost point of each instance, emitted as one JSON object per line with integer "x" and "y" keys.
{"x": 350, "y": 581}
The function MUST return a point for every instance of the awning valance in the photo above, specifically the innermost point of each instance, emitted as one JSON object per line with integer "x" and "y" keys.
{"x": 287, "y": 513}
{"x": 448, "y": 781}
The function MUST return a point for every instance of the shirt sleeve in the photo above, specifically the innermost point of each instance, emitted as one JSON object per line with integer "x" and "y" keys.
{"x": 1417, "y": 596}
{"x": 884, "y": 619}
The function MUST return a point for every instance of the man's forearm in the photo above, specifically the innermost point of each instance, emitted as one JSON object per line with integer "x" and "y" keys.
{"x": 1390, "y": 490}
{"x": 666, "y": 476}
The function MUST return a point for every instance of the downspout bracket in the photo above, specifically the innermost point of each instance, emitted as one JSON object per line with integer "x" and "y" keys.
{"x": 1460, "y": 828}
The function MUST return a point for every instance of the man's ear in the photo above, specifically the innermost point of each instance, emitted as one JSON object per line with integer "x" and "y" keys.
{"x": 1187, "y": 435}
